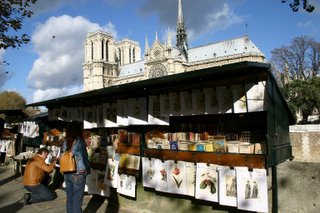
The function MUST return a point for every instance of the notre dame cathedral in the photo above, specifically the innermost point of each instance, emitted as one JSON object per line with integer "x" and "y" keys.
{"x": 109, "y": 62}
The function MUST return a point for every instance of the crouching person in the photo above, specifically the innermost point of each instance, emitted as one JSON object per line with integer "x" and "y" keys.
{"x": 35, "y": 172}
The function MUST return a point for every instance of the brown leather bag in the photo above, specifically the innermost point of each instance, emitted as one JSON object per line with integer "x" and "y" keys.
{"x": 67, "y": 162}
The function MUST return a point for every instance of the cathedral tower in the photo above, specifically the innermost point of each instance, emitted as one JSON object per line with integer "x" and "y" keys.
{"x": 182, "y": 42}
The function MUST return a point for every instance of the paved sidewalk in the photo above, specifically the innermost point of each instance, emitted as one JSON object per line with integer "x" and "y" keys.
{"x": 12, "y": 191}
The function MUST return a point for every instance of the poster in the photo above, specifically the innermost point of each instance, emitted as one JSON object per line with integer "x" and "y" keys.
{"x": 207, "y": 182}
{"x": 252, "y": 189}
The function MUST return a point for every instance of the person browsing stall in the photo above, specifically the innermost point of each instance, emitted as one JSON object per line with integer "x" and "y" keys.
{"x": 75, "y": 181}
{"x": 34, "y": 175}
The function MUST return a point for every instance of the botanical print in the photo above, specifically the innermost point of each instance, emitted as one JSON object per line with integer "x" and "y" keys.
{"x": 190, "y": 178}
{"x": 161, "y": 175}
{"x": 177, "y": 177}
{"x": 148, "y": 172}
{"x": 111, "y": 173}
{"x": 207, "y": 182}
{"x": 252, "y": 189}
{"x": 127, "y": 185}
{"x": 227, "y": 186}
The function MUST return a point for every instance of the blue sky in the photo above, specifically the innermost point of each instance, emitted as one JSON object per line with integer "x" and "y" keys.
{"x": 51, "y": 64}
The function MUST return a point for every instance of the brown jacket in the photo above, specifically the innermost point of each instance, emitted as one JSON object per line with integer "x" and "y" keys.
{"x": 36, "y": 170}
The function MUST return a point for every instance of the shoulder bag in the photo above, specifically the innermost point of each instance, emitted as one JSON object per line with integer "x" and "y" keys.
{"x": 67, "y": 162}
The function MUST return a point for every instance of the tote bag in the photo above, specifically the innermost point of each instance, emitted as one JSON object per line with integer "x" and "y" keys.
{"x": 67, "y": 162}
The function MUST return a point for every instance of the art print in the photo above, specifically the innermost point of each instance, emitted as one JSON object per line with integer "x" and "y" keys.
{"x": 197, "y": 102}
{"x": 211, "y": 101}
{"x": 177, "y": 177}
{"x": 207, "y": 182}
{"x": 148, "y": 172}
{"x": 127, "y": 185}
{"x": 227, "y": 186}
{"x": 137, "y": 111}
{"x": 154, "y": 114}
{"x": 252, "y": 191}
{"x": 161, "y": 175}
{"x": 256, "y": 96}
{"x": 111, "y": 176}
{"x": 239, "y": 99}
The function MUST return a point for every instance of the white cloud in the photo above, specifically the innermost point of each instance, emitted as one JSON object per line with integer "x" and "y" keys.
{"x": 59, "y": 42}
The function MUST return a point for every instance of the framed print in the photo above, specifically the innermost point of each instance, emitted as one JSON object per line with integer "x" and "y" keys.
{"x": 227, "y": 186}
{"x": 252, "y": 189}
{"x": 207, "y": 182}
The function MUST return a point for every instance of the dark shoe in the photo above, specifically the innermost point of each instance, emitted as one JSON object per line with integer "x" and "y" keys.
{"x": 27, "y": 198}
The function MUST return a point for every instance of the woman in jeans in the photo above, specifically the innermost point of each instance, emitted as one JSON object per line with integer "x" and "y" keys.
{"x": 75, "y": 181}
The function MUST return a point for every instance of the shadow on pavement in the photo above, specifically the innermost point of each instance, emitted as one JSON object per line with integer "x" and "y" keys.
{"x": 14, "y": 207}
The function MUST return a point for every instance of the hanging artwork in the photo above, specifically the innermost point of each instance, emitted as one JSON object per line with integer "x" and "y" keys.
{"x": 207, "y": 182}
{"x": 197, "y": 102}
{"x": 148, "y": 172}
{"x": 175, "y": 107}
{"x": 154, "y": 112}
{"x": 164, "y": 105}
{"x": 227, "y": 186}
{"x": 239, "y": 99}
{"x": 252, "y": 191}
{"x": 211, "y": 101}
{"x": 111, "y": 177}
{"x": 191, "y": 178}
{"x": 256, "y": 96}
{"x": 137, "y": 111}
{"x": 177, "y": 183}
{"x": 122, "y": 112}
{"x": 161, "y": 175}
{"x": 186, "y": 103}
{"x": 127, "y": 185}
{"x": 110, "y": 120}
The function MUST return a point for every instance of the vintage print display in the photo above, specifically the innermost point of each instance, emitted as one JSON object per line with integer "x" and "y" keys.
{"x": 102, "y": 188}
{"x": 239, "y": 99}
{"x": 110, "y": 114}
{"x": 161, "y": 175}
{"x": 175, "y": 106}
{"x": 154, "y": 113}
{"x": 255, "y": 96}
{"x": 137, "y": 111}
{"x": 211, "y": 101}
{"x": 177, "y": 183}
{"x": 127, "y": 185}
{"x": 225, "y": 99}
{"x": 197, "y": 102}
{"x": 252, "y": 189}
{"x": 227, "y": 186}
{"x": 122, "y": 112}
{"x": 148, "y": 172}
{"x": 164, "y": 105}
{"x": 111, "y": 177}
{"x": 186, "y": 103}
{"x": 191, "y": 178}
{"x": 207, "y": 182}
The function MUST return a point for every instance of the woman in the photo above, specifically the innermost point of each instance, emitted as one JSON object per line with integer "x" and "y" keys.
{"x": 75, "y": 181}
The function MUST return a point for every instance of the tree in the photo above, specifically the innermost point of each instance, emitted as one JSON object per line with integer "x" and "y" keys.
{"x": 298, "y": 61}
{"x": 296, "y": 4}
{"x": 11, "y": 100}
{"x": 12, "y": 14}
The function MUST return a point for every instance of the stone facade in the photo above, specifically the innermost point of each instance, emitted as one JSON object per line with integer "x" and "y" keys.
{"x": 109, "y": 62}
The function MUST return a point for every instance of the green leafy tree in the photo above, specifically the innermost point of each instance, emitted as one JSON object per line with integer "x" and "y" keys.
{"x": 11, "y": 100}
{"x": 12, "y": 14}
{"x": 295, "y": 5}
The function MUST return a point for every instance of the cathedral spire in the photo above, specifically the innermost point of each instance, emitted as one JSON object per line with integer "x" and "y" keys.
{"x": 146, "y": 49}
{"x": 182, "y": 42}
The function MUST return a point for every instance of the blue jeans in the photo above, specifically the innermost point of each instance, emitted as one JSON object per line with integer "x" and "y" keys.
{"x": 75, "y": 184}
{"x": 40, "y": 193}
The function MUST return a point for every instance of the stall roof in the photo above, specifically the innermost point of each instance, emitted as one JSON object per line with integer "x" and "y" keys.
{"x": 177, "y": 80}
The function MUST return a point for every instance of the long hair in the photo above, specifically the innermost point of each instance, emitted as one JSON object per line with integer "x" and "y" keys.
{"x": 73, "y": 130}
